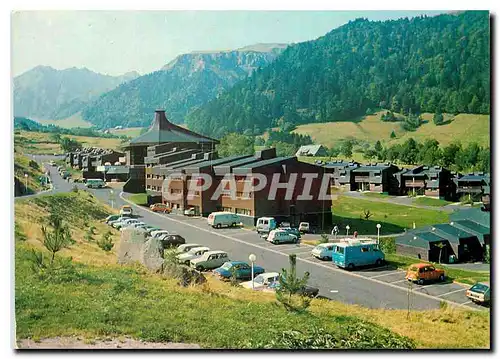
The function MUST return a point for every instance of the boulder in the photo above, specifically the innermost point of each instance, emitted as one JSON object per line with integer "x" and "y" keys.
{"x": 135, "y": 246}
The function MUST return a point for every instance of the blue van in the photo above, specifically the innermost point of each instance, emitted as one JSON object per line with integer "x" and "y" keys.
{"x": 357, "y": 253}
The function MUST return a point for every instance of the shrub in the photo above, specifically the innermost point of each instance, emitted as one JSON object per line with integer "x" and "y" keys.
{"x": 58, "y": 238}
{"x": 323, "y": 238}
{"x": 18, "y": 233}
{"x": 466, "y": 199}
{"x": 105, "y": 243}
{"x": 388, "y": 244}
{"x": 291, "y": 291}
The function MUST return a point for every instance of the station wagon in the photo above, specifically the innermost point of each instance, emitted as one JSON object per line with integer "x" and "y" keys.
{"x": 209, "y": 260}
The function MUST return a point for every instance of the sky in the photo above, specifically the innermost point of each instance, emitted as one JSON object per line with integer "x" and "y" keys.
{"x": 116, "y": 42}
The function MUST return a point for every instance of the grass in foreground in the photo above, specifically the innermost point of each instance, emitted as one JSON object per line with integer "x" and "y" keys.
{"x": 393, "y": 218}
{"x": 102, "y": 300}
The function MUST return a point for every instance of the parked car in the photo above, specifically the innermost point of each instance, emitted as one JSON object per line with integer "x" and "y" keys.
{"x": 261, "y": 281}
{"x": 304, "y": 227}
{"x": 125, "y": 223}
{"x": 209, "y": 260}
{"x": 52, "y": 163}
{"x": 479, "y": 293}
{"x": 356, "y": 253}
{"x": 223, "y": 219}
{"x": 265, "y": 224}
{"x": 293, "y": 231}
{"x": 126, "y": 210}
{"x": 424, "y": 272}
{"x": 189, "y": 212}
{"x": 160, "y": 208}
{"x": 193, "y": 253}
{"x": 113, "y": 217}
{"x": 171, "y": 240}
{"x": 277, "y": 236}
{"x": 136, "y": 224}
{"x": 158, "y": 233}
{"x": 95, "y": 183}
{"x": 187, "y": 247}
{"x": 307, "y": 291}
{"x": 242, "y": 270}
{"x": 149, "y": 228}
{"x": 324, "y": 251}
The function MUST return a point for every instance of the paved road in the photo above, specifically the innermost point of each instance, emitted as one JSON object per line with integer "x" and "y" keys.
{"x": 375, "y": 288}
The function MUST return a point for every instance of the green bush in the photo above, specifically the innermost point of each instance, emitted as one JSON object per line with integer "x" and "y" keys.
{"x": 388, "y": 244}
{"x": 105, "y": 243}
{"x": 323, "y": 238}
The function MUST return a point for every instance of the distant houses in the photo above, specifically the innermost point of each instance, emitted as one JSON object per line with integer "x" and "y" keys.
{"x": 312, "y": 151}
{"x": 432, "y": 181}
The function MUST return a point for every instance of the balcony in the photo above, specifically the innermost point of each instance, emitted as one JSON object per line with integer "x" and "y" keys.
{"x": 469, "y": 189}
{"x": 414, "y": 184}
{"x": 361, "y": 178}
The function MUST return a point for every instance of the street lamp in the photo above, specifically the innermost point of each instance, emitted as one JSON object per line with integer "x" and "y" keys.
{"x": 111, "y": 195}
{"x": 26, "y": 182}
{"x": 252, "y": 259}
{"x": 378, "y": 232}
{"x": 347, "y": 229}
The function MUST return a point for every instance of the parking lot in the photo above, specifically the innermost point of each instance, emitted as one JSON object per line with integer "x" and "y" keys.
{"x": 446, "y": 291}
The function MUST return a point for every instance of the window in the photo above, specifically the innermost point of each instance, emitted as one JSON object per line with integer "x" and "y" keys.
{"x": 339, "y": 250}
{"x": 365, "y": 249}
{"x": 243, "y": 211}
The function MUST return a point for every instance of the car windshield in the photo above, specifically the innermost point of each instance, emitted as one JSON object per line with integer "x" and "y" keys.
{"x": 413, "y": 269}
{"x": 479, "y": 288}
{"x": 227, "y": 265}
{"x": 259, "y": 279}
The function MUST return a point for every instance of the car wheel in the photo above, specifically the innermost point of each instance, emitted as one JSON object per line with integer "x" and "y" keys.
{"x": 379, "y": 262}
{"x": 275, "y": 242}
{"x": 233, "y": 225}
{"x": 218, "y": 225}
{"x": 441, "y": 278}
{"x": 420, "y": 281}
{"x": 350, "y": 266}
{"x": 199, "y": 268}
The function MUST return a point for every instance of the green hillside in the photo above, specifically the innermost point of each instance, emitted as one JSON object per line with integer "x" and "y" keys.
{"x": 423, "y": 64}
{"x": 465, "y": 128}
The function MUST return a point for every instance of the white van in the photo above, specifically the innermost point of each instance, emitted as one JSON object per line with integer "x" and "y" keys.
{"x": 219, "y": 219}
{"x": 278, "y": 236}
{"x": 265, "y": 224}
{"x": 95, "y": 183}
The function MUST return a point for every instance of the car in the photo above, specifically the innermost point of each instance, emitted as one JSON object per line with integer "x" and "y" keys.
{"x": 126, "y": 210}
{"x": 137, "y": 225}
{"x": 324, "y": 251}
{"x": 171, "y": 240}
{"x": 193, "y": 253}
{"x": 479, "y": 293}
{"x": 160, "y": 208}
{"x": 277, "y": 236}
{"x": 223, "y": 219}
{"x": 190, "y": 212}
{"x": 187, "y": 247}
{"x": 119, "y": 219}
{"x": 242, "y": 270}
{"x": 358, "y": 252}
{"x": 293, "y": 231}
{"x": 307, "y": 291}
{"x": 52, "y": 163}
{"x": 304, "y": 227}
{"x": 265, "y": 224}
{"x": 149, "y": 228}
{"x": 158, "y": 233}
{"x": 262, "y": 280}
{"x": 424, "y": 272}
{"x": 95, "y": 183}
{"x": 209, "y": 260}
{"x": 124, "y": 223}
{"x": 113, "y": 217}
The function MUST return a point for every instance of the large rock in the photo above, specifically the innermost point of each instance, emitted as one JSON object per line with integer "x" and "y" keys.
{"x": 135, "y": 246}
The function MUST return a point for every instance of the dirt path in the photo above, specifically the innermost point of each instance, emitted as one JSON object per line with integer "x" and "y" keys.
{"x": 77, "y": 343}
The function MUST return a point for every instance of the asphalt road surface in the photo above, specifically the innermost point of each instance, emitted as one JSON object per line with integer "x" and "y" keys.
{"x": 374, "y": 288}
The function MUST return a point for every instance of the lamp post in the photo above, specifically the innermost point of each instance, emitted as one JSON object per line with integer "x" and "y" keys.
{"x": 347, "y": 229}
{"x": 252, "y": 259}
{"x": 111, "y": 197}
{"x": 378, "y": 232}
{"x": 26, "y": 183}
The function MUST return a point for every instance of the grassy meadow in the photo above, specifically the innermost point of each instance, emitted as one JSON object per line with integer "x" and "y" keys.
{"x": 73, "y": 121}
{"x": 465, "y": 128}
{"x": 95, "y": 298}
{"x": 394, "y": 218}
